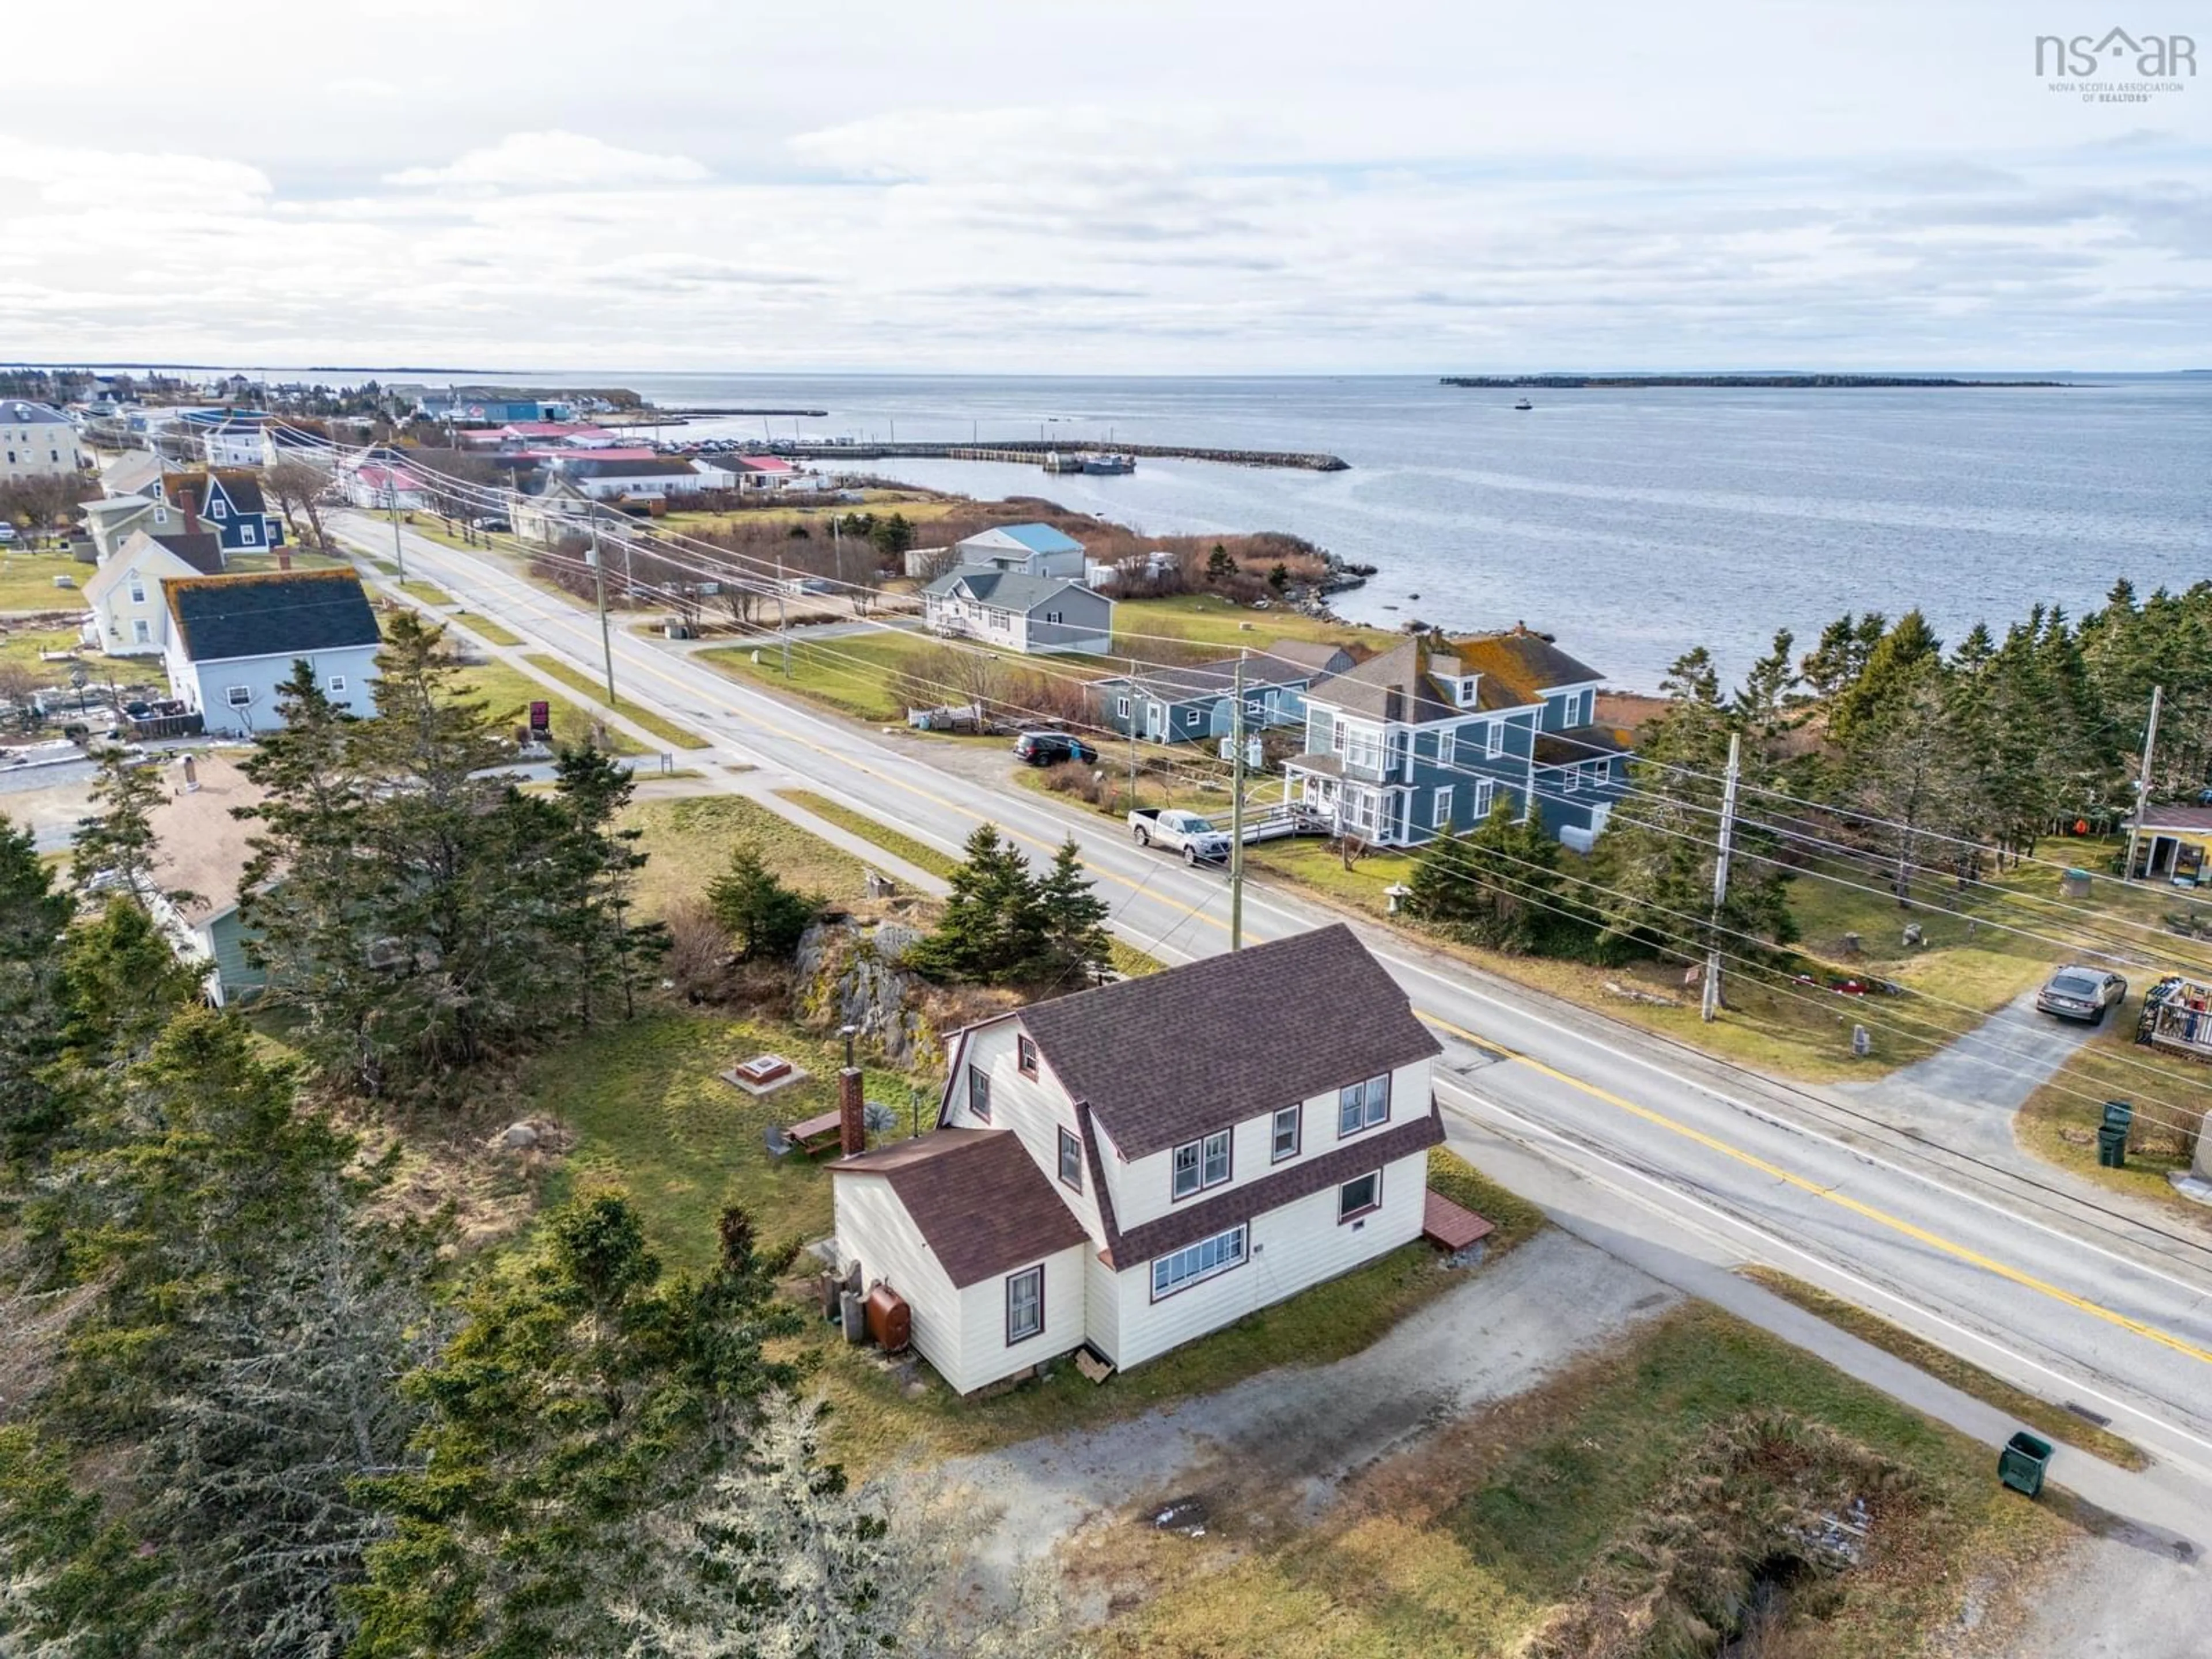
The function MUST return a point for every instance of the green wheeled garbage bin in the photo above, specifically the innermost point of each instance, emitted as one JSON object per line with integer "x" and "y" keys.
{"x": 2118, "y": 1114}
{"x": 2112, "y": 1148}
{"x": 2021, "y": 1464}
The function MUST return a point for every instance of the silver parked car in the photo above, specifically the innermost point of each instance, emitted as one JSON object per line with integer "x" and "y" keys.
{"x": 2074, "y": 993}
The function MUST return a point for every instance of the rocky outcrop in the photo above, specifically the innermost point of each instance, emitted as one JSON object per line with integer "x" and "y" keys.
{"x": 849, "y": 972}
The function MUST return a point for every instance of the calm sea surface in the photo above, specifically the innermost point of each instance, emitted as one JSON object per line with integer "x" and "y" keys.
{"x": 1633, "y": 524}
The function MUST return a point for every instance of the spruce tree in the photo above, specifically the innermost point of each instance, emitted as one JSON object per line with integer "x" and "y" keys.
{"x": 992, "y": 929}
{"x": 766, "y": 919}
{"x": 32, "y": 918}
{"x": 1077, "y": 945}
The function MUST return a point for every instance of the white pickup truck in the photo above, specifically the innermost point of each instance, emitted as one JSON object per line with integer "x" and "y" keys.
{"x": 1187, "y": 833}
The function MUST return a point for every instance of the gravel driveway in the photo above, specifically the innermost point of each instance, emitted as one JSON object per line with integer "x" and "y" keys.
{"x": 1301, "y": 1431}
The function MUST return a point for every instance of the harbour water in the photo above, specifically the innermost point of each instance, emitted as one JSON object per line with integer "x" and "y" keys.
{"x": 1633, "y": 523}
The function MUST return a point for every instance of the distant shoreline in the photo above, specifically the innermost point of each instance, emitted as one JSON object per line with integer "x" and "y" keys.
{"x": 1754, "y": 382}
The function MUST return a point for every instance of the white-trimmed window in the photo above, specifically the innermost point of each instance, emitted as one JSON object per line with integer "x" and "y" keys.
{"x": 218, "y": 508}
{"x": 1363, "y": 1105}
{"x": 1360, "y": 1196}
{"x": 1440, "y": 810}
{"x": 1447, "y": 746}
{"x": 142, "y": 631}
{"x": 1071, "y": 1161}
{"x": 138, "y": 588}
{"x": 248, "y": 534}
{"x": 1024, "y": 1304}
{"x": 337, "y": 684}
{"x": 1121, "y": 707}
{"x": 1187, "y": 1266}
{"x": 1363, "y": 748}
{"x": 238, "y": 696}
{"x": 1486, "y": 794}
{"x": 979, "y": 1092}
{"x": 1571, "y": 778}
{"x": 1197, "y": 1164}
{"x": 1190, "y": 716}
{"x": 1287, "y": 1131}
{"x": 1493, "y": 738}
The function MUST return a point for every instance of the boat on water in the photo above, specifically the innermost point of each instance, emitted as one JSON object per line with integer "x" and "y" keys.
{"x": 1524, "y": 403}
{"x": 1105, "y": 463}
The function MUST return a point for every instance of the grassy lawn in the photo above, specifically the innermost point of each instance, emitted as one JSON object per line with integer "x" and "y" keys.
{"x": 1798, "y": 1031}
{"x": 876, "y": 1424}
{"x": 688, "y": 844}
{"x": 301, "y": 559}
{"x": 27, "y": 580}
{"x": 897, "y": 843}
{"x": 1467, "y": 1545}
{"x": 2045, "y": 1419}
{"x": 852, "y": 674}
{"x": 22, "y": 647}
{"x": 428, "y": 593}
{"x": 1208, "y": 619}
{"x": 510, "y": 692}
{"x": 668, "y": 731}
{"x": 483, "y": 626}
{"x": 916, "y": 509}
{"x": 651, "y": 1117}
{"x": 2170, "y": 1094}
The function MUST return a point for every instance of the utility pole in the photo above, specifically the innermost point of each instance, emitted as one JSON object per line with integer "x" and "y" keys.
{"x": 1709, "y": 1009}
{"x": 1237, "y": 809}
{"x": 391, "y": 501}
{"x": 599, "y": 583}
{"x": 2143, "y": 779}
{"x": 1136, "y": 701}
{"x": 782, "y": 624}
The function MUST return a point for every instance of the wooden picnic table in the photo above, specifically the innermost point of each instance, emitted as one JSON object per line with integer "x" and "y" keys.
{"x": 816, "y": 1135}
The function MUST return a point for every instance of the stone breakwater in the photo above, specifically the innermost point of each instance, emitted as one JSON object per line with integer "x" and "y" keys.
{"x": 1033, "y": 451}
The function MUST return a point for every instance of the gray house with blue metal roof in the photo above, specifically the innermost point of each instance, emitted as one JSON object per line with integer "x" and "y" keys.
{"x": 234, "y": 640}
{"x": 1029, "y": 549}
{"x": 1431, "y": 735}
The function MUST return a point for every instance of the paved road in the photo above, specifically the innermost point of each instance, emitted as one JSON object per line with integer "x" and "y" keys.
{"x": 2100, "y": 1309}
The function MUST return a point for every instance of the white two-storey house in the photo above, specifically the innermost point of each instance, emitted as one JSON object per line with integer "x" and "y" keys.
{"x": 1131, "y": 1167}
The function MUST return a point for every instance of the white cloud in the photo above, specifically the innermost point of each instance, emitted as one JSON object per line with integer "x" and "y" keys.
{"x": 553, "y": 161}
{"x": 69, "y": 176}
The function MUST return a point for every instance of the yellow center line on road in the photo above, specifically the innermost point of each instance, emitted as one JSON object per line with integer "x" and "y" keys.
{"x": 1881, "y": 1218}
{"x": 1895, "y": 1224}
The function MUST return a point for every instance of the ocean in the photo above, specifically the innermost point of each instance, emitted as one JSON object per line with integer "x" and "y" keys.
{"x": 1632, "y": 524}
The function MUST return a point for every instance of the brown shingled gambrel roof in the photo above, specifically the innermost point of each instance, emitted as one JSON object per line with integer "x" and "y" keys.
{"x": 981, "y": 1204}
{"x": 1524, "y": 663}
{"x": 1162, "y": 1059}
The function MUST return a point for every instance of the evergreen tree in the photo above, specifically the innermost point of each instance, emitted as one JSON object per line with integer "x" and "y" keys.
{"x": 118, "y": 842}
{"x": 1500, "y": 886}
{"x": 1760, "y": 706}
{"x": 993, "y": 929}
{"x": 1889, "y": 677}
{"x": 32, "y": 918}
{"x": 1076, "y": 943}
{"x": 1907, "y": 773}
{"x": 766, "y": 920}
{"x": 1220, "y": 566}
{"x": 581, "y": 1392}
{"x": 598, "y": 867}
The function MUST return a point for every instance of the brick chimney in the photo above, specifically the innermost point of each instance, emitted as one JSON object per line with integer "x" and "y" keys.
{"x": 852, "y": 1110}
{"x": 283, "y": 558}
{"x": 187, "y": 500}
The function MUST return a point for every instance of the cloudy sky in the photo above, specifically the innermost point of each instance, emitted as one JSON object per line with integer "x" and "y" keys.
{"x": 1134, "y": 187}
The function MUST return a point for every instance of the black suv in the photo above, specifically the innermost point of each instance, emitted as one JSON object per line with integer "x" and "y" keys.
{"x": 1050, "y": 748}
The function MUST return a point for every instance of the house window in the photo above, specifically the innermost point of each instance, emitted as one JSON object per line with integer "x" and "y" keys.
{"x": 1571, "y": 779}
{"x": 979, "y": 1092}
{"x": 1493, "y": 738}
{"x": 1446, "y": 745}
{"x": 1024, "y": 1304}
{"x": 1285, "y": 1139}
{"x": 337, "y": 684}
{"x": 1363, "y": 750}
{"x": 247, "y": 534}
{"x": 1209, "y": 1256}
{"x": 1363, "y": 1105}
{"x": 1198, "y": 1164}
{"x": 1440, "y": 811}
{"x": 140, "y": 632}
{"x": 238, "y": 696}
{"x": 1025, "y": 1056}
{"x": 1071, "y": 1161}
{"x": 138, "y": 591}
{"x": 218, "y": 508}
{"x": 1484, "y": 793}
{"x": 1358, "y": 1198}
{"x": 1121, "y": 707}
{"x": 1190, "y": 717}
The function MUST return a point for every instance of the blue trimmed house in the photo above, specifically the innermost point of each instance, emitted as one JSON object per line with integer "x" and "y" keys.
{"x": 230, "y": 503}
{"x": 1191, "y": 703}
{"x": 1431, "y": 733}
